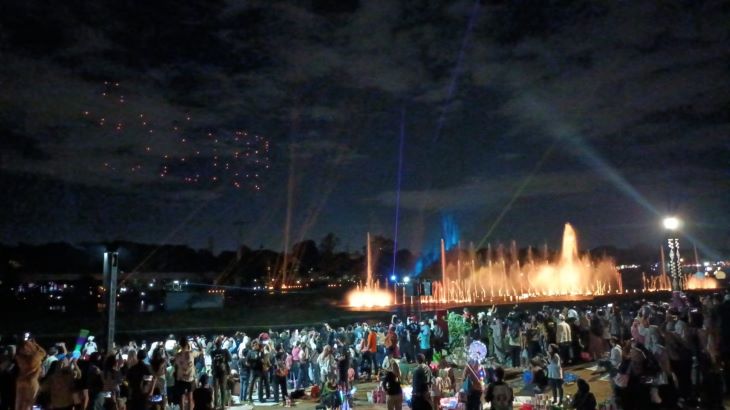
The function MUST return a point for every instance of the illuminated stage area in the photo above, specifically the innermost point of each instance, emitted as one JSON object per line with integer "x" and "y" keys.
{"x": 502, "y": 278}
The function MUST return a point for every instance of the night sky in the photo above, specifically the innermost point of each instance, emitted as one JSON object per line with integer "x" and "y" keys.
{"x": 176, "y": 122}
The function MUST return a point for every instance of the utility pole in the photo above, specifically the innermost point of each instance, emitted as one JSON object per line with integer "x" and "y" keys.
{"x": 111, "y": 268}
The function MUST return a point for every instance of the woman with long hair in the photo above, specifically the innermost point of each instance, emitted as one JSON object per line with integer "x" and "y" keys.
{"x": 326, "y": 363}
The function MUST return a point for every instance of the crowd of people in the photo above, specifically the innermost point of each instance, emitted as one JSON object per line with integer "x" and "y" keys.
{"x": 657, "y": 356}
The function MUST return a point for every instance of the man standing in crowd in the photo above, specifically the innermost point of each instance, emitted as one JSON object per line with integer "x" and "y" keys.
{"x": 563, "y": 337}
{"x": 424, "y": 341}
{"x": 221, "y": 369}
{"x": 185, "y": 373}
{"x": 413, "y": 331}
{"x": 421, "y": 380}
{"x": 140, "y": 382}
{"x": 255, "y": 360}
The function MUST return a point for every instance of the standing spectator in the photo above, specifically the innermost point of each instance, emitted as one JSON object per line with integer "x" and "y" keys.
{"x": 326, "y": 363}
{"x": 89, "y": 347}
{"x": 281, "y": 371}
{"x": 413, "y": 331}
{"x": 391, "y": 341}
{"x": 514, "y": 343}
{"x": 255, "y": 360}
{"x": 221, "y": 370}
{"x": 158, "y": 364}
{"x": 28, "y": 360}
{"x": 60, "y": 382}
{"x": 424, "y": 341}
{"x": 111, "y": 377}
{"x": 393, "y": 391}
{"x": 368, "y": 348}
{"x": 555, "y": 374}
{"x": 421, "y": 381}
{"x": 472, "y": 386}
{"x": 596, "y": 346}
{"x": 296, "y": 352}
{"x": 185, "y": 374}
{"x": 140, "y": 382}
{"x": 498, "y": 339}
{"x": 243, "y": 370}
{"x": 563, "y": 338}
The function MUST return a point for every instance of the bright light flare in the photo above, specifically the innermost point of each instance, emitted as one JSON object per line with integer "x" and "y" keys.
{"x": 671, "y": 223}
{"x": 368, "y": 297}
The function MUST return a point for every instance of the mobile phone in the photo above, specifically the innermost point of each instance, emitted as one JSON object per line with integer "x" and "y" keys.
{"x": 108, "y": 395}
{"x": 26, "y": 336}
{"x": 610, "y": 305}
{"x": 125, "y": 356}
{"x": 148, "y": 378}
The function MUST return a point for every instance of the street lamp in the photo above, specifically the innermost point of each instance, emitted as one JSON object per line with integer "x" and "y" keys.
{"x": 672, "y": 224}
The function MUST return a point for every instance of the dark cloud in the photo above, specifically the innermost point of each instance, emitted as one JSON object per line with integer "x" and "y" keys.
{"x": 627, "y": 92}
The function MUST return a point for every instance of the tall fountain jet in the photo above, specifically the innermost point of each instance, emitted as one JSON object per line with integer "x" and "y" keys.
{"x": 369, "y": 294}
{"x": 569, "y": 251}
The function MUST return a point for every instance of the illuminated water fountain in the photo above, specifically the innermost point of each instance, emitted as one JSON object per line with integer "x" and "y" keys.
{"x": 502, "y": 277}
{"x": 369, "y": 294}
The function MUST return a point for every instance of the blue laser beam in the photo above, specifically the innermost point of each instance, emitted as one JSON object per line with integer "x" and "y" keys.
{"x": 401, "y": 144}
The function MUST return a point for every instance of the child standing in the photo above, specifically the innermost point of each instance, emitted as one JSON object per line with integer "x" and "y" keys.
{"x": 555, "y": 373}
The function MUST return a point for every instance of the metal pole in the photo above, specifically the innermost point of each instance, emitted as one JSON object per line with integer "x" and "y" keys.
{"x": 675, "y": 266}
{"x": 111, "y": 268}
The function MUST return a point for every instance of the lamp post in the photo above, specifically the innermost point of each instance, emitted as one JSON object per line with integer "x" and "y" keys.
{"x": 111, "y": 267}
{"x": 672, "y": 225}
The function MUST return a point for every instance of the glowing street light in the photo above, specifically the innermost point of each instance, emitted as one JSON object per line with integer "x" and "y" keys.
{"x": 406, "y": 279}
{"x": 671, "y": 223}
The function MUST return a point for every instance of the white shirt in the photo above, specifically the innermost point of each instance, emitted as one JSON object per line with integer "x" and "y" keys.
{"x": 562, "y": 334}
{"x": 554, "y": 368}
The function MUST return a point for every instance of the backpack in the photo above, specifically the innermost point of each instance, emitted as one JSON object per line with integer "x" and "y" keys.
{"x": 220, "y": 364}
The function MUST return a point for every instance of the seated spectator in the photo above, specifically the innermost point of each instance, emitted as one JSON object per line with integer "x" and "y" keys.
{"x": 584, "y": 399}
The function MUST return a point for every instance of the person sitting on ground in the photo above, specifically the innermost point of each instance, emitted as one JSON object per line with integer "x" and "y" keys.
{"x": 330, "y": 394}
{"x": 584, "y": 399}
{"x": 499, "y": 393}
